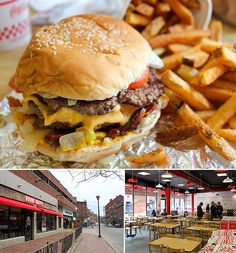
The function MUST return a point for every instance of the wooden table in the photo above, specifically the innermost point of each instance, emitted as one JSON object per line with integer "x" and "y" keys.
{"x": 176, "y": 243}
{"x": 199, "y": 228}
{"x": 167, "y": 225}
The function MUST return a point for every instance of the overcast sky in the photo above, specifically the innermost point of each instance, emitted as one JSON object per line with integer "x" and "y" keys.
{"x": 106, "y": 188}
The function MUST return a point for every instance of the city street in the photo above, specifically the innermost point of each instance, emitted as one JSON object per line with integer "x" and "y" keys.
{"x": 112, "y": 240}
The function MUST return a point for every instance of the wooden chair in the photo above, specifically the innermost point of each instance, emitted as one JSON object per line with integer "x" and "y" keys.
{"x": 152, "y": 231}
{"x": 137, "y": 227}
{"x": 205, "y": 235}
{"x": 185, "y": 232}
{"x": 214, "y": 225}
{"x": 161, "y": 231}
{"x": 172, "y": 236}
{"x": 172, "y": 250}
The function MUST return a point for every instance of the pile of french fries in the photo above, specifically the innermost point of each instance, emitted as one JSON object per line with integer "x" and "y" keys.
{"x": 201, "y": 84}
{"x": 199, "y": 73}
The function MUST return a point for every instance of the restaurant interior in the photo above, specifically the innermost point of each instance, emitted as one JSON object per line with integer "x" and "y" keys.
{"x": 180, "y": 211}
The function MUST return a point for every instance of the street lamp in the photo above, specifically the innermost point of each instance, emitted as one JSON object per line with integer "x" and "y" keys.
{"x": 99, "y": 226}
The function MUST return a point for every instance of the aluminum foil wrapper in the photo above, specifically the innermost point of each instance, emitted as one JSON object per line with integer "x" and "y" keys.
{"x": 187, "y": 154}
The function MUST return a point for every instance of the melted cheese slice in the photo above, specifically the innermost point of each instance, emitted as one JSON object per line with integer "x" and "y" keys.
{"x": 120, "y": 114}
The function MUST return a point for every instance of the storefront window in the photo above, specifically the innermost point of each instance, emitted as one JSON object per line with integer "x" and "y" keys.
{"x": 151, "y": 204}
{"x": 15, "y": 222}
{"x": 10, "y": 222}
{"x": 4, "y": 220}
{"x": 45, "y": 222}
{"x": 59, "y": 222}
{"x": 129, "y": 204}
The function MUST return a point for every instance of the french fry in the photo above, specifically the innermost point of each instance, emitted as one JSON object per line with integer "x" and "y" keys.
{"x": 158, "y": 157}
{"x": 178, "y": 28}
{"x": 211, "y": 138}
{"x": 181, "y": 11}
{"x": 230, "y": 76}
{"x": 223, "y": 114}
{"x": 228, "y": 134}
{"x": 228, "y": 56}
{"x": 152, "y": 2}
{"x": 153, "y": 28}
{"x": 224, "y": 85}
{"x": 186, "y": 72}
{"x": 184, "y": 38}
{"x": 176, "y": 48}
{"x": 185, "y": 91}
{"x": 145, "y": 9}
{"x": 209, "y": 75}
{"x": 232, "y": 122}
{"x": 169, "y": 22}
{"x": 195, "y": 4}
{"x": 209, "y": 45}
{"x": 159, "y": 51}
{"x": 162, "y": 8}
{"x": 176, "y": 134}
{"x": 136, "y": 19}
{"x": 196, "y": 60}
{"x": 174, "y": 101}
{"x": 216, "y": 94}
{"x": 205, "y": 115}
{"x": 175, "y": 60}
{"x": 216, "y": 30}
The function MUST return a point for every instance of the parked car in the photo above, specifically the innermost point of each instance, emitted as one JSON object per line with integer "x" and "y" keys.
{"x": 117, "y": 225}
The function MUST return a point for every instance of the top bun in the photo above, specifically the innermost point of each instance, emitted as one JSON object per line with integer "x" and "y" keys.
{"x": 87, "y": 57}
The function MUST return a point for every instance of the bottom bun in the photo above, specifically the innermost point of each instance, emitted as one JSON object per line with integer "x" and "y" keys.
{"x": 97, "y": 152}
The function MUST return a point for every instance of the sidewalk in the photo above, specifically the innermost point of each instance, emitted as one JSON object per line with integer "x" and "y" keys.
{"x": 30, "y": 246}
{"x": 92, "y": 243}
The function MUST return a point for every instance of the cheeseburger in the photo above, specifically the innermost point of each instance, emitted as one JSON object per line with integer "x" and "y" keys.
{"x": 89, "y": 88}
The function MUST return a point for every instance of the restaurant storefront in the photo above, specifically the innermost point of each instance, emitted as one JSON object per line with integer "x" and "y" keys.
{"x": 26, "y": 212}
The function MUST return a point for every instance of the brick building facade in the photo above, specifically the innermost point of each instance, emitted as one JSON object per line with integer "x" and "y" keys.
{"x": 82, "y": 211}
{"x": 114, "y": 211}
{"x": 33, "y": 204}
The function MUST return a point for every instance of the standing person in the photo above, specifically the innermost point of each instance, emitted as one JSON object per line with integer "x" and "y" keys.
{"x": 200, "y": 211}
{"x": 154, "y": 213}
{"x": 220, "y": 210}
{"x": 213, "y": 210}
{"x": 208, "y": 208}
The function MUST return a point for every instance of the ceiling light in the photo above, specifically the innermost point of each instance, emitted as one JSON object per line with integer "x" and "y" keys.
{"x": 132, "y": 180}
{"x": 221, "y": 174}
{"x": 233, "y": 190}
{"x": 180, "y": 184}
{"x": 167, "y": 175}
{"x": 159, "y": 186}
{"x": 156, "y": 191}
{"x": 166, "y": 180}
{"x": 187, "y": 192}
{"x": 228, "y": 180}
{"x": 200, "y": 188}
{"x": 144, "y": 173}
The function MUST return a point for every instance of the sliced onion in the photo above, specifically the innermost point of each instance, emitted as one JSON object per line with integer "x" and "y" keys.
{"x": 155, "y": 61}
{"x": 89, "y": 134}
{"x": 72, "y": 141}
{"x": 71, "y": 102}
{"x": 47, "y": 95}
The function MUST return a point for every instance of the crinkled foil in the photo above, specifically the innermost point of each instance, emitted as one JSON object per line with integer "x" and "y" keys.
{"x": 181, "y": 155}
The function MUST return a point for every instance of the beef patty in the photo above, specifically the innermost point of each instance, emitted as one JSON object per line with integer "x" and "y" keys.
{"x": 146, "y": 94}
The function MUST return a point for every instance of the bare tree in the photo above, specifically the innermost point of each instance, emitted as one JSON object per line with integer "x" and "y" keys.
{"x": 89, "y": 175}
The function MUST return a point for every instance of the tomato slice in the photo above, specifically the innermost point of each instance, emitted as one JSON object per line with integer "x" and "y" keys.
{"x": 12, "y": 84}
{"x": 141, "y": 81}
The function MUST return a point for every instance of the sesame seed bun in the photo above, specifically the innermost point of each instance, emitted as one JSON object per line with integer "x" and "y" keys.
{"x": 87, "y": 57}
{"x": 97, "y": 152}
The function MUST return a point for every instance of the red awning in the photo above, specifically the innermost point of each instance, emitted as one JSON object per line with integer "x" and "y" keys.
{"x": 51, "y": 212}
{"x": 15, "y": 203}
